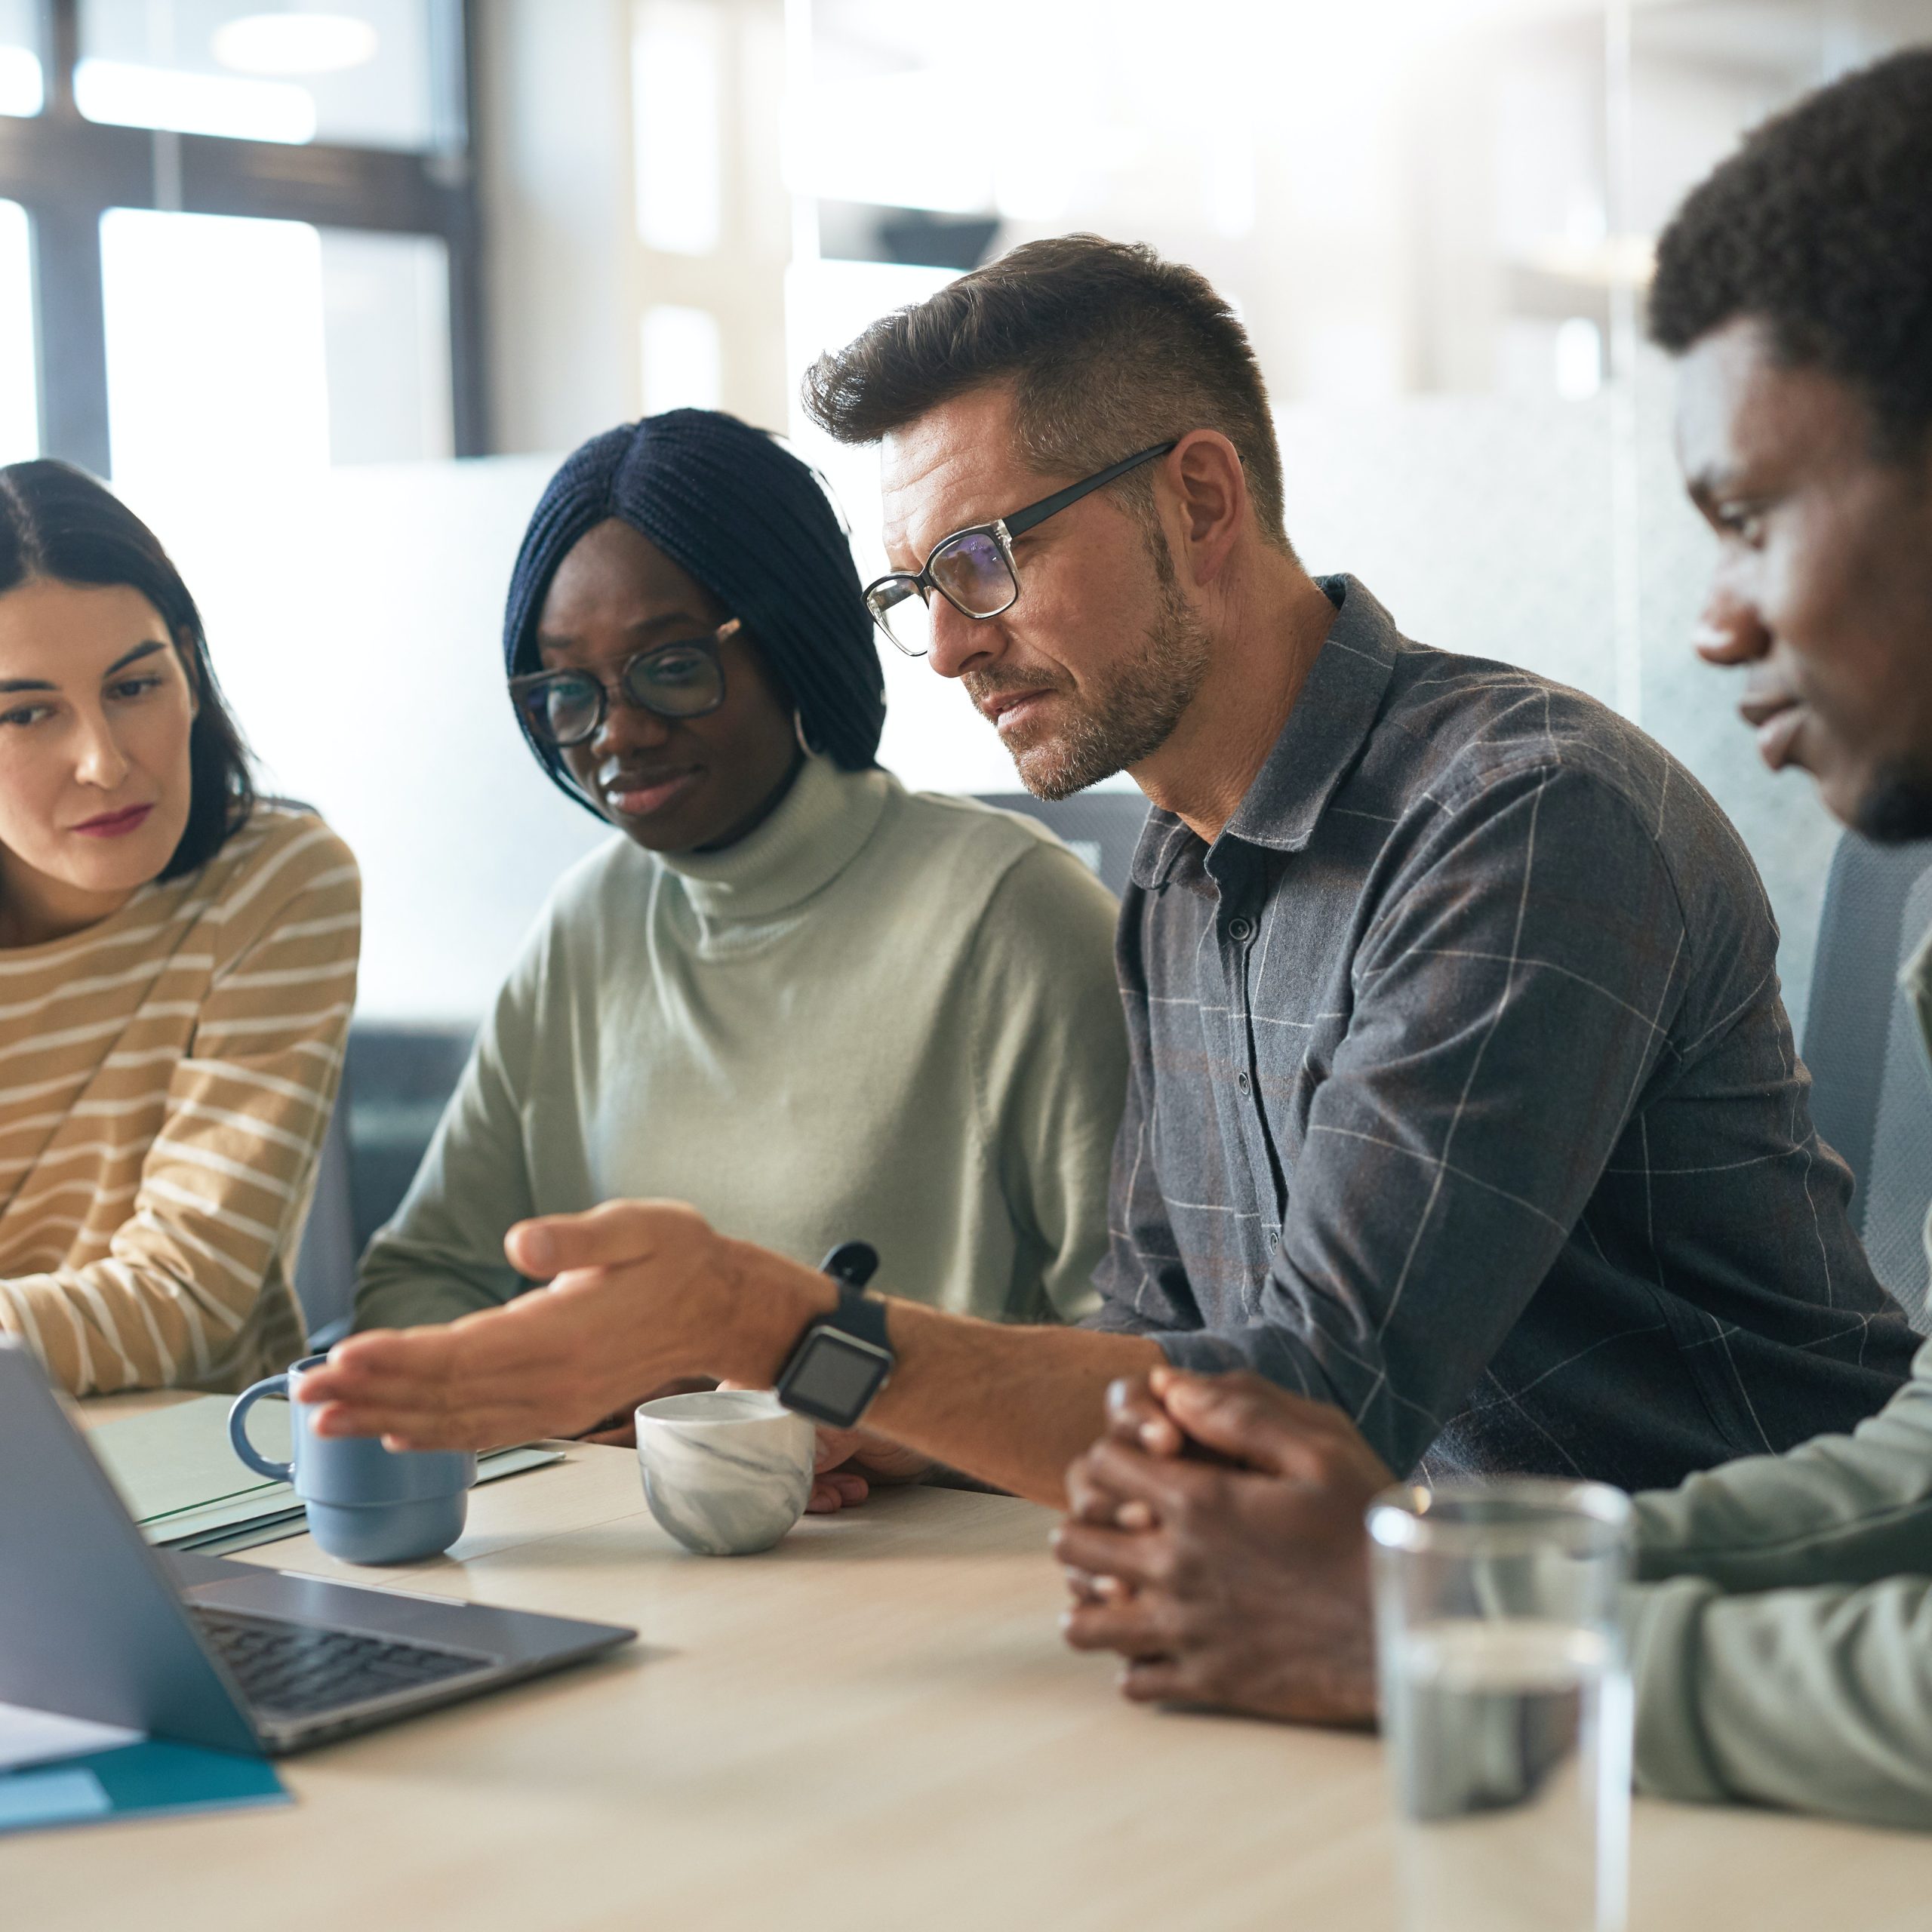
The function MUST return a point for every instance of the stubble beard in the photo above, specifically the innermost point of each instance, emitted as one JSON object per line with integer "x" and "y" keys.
{"x": 1134, "y": 706}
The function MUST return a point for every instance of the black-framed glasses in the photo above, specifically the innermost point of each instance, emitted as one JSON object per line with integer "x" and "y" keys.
{"x": 973, "y": 569}
{"x": 684, "y": 679}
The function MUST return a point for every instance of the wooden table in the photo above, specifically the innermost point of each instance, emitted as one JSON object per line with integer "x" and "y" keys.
{"x": 874, "y": 1726}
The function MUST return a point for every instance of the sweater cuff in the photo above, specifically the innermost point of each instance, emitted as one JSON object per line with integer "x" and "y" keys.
{"x": 1666, "y": 1624}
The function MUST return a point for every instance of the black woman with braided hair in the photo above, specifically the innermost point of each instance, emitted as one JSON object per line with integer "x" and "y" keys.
{"x": 787, "y": 990}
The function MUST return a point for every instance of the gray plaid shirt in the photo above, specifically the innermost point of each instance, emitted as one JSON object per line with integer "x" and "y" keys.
{"x": 1463, "y": 1096}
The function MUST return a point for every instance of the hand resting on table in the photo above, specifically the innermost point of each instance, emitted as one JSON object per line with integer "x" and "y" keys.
{"x": 1215, "y": 1539}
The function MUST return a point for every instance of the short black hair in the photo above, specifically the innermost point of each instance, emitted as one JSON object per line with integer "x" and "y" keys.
{"x": 1110, "y": 349}
{"x": 1820, "y": 227}
{"x": 56, "y": 521}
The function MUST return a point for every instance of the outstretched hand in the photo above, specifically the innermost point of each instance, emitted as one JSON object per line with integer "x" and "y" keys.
{"x": 639, "y": 1292}
{"x": 1215, "y": 1540}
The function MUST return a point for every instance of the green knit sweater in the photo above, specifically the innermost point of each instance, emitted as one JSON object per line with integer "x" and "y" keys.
{"x": 884, "y": 1016}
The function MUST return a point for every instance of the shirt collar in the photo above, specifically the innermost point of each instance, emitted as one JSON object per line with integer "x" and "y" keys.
{"x": 814, "y": 833}
{"x": 1333, "y": 716}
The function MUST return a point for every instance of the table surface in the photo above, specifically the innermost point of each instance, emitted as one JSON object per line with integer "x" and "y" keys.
{"x": 873, "y": 1726}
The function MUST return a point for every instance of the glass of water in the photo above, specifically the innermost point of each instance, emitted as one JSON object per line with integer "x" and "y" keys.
{"x": 1506, "y": 1702}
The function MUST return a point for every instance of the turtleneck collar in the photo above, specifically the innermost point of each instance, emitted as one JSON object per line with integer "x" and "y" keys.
{"x": 813, "y": 835}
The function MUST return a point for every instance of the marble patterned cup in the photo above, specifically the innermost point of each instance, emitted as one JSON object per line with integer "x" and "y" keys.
{"x": 726, "y": 1471}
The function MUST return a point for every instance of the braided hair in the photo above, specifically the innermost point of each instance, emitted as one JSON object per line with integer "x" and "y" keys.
{"x": 752, "y": 524}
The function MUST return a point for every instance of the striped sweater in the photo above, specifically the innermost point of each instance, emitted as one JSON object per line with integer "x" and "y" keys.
{"x": 166, "y": 1077}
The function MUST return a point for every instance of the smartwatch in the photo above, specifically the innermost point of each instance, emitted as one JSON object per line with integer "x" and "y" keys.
{"x": 843, "y": 1358}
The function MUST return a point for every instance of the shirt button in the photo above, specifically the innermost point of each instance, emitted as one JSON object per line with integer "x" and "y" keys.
{"x": 1241, "y": 1081}
{"x": 1240, "y": 930}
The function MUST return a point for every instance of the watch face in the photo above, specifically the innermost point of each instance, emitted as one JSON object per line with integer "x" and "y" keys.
{"x": 833, "y": 1378}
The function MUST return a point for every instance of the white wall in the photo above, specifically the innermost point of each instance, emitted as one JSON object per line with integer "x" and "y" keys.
{"x": 572, "y": 277}
{"x": 553, "y": 126}
{"x": 354, "y": 621}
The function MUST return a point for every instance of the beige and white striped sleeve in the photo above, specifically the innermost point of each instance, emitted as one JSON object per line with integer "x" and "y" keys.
{"x": 178, "y": 1297}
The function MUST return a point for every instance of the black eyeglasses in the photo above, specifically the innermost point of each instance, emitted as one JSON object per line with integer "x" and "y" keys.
{"x": 973, "y": 569}
{"x": 681, "y": 680}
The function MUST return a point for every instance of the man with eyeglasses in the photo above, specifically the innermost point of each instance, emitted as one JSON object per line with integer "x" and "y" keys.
{"x": 1462, "y": 1097}
{"x": 1782, "y": 1637}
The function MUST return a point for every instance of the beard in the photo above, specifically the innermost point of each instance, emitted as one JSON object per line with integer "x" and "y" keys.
{"x": 1132, "y": 707}
{"x": 1896, "y": 808}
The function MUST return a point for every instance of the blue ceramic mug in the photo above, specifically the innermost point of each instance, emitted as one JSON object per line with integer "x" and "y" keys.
{"x": 366, "y": 1504}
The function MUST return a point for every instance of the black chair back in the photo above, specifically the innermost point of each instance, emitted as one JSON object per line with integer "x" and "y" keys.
{"x": 1103, "y": 827}
{"x": 1872, "y": 1091}
{"x": 402, "y": 1077}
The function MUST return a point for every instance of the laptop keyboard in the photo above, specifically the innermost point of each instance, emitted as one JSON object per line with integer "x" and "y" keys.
{"x": 301, "y": 1669}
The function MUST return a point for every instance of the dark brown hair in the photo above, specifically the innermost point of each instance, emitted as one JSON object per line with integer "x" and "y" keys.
{"x": 57, "y": 521}
{"x": 1109, "y": 348}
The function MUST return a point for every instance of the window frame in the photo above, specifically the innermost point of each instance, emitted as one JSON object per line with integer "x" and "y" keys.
{"x": 67, "y": 171}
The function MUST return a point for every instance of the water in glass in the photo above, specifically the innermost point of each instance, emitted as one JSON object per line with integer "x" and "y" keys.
{"x": 1511, "y": 1743}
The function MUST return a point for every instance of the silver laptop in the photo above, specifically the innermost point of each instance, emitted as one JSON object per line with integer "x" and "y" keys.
{"x": 95, "y": 1624}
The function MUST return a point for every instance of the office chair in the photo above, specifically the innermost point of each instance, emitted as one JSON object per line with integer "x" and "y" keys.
{"x": 395, "y": 1082}
{"x": 1102, "y": 827}
{"x": 325, "y": 1281}
{"x": 1872, "y": 1092}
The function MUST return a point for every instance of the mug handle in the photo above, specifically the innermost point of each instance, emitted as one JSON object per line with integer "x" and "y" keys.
{"x": 238, "y": 1429}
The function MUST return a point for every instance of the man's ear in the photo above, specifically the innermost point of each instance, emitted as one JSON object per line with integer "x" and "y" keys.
{"x": 184, "y": 649}
{"x": 1203, "y": 471}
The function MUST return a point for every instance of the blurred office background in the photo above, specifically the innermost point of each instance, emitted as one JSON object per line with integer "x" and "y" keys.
{"x": 324, "y": 289}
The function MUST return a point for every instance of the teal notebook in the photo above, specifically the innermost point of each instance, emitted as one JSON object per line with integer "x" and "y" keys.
{"x": 145, "y": 1780}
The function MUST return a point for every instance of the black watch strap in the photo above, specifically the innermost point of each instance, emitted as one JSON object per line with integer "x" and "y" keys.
{"x": 860, "y": 1315}
{"x": 845, "y": 1356}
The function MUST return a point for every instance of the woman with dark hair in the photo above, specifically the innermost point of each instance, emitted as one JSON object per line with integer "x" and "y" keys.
{"x": 178, "y": 963}
{"x": 815, "y": 1005}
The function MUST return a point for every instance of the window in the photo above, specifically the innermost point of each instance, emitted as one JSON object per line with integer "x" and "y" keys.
{"x": 20, "y": 411}
{"x": 251, "y": 233}
{"x": 22, "y": 86}
{"x": 365, "y": 73}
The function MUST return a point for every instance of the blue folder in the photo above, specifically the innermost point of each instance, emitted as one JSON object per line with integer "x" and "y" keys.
{"x": 148, "y": 1779}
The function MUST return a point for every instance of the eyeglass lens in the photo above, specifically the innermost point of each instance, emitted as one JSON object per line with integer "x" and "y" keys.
{"x": 677, "y": 682}
{"x": 899, "y": 607}
{"x": 972, "y": 571}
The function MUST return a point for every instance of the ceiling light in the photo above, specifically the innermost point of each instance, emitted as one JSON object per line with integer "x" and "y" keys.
{"x": 287, "y": 45}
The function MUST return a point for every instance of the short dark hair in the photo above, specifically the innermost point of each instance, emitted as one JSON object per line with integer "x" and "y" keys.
{"x": 1110, "y": 348}
{"x": 1820, "y": 227}
{"x": 57, "y": 521}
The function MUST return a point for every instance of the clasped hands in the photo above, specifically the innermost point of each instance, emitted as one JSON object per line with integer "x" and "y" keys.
{"x": 1215, "y": 1539}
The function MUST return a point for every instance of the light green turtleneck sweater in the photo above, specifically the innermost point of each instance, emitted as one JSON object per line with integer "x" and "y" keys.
{"x": 884, "y": 1016}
